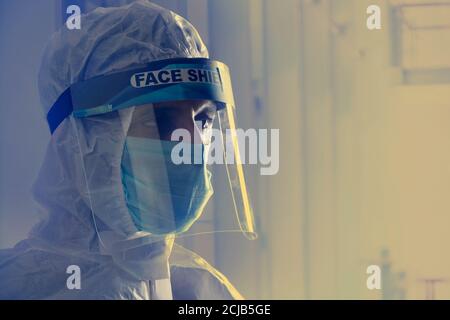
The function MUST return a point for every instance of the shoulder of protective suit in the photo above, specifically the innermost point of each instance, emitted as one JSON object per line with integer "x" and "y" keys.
{"x": 27, "y": 272}
{"x": 30, "y": 273}
{"x": 195, "y": 279}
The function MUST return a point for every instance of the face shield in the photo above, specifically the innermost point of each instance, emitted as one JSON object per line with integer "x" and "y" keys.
{"x": 146, "y": 140}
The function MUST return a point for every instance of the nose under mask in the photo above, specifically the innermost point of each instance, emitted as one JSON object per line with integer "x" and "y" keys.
{"x": 162, "y": 197}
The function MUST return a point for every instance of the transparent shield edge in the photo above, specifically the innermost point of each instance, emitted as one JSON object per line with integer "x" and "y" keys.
{"x": 235, "y": 174}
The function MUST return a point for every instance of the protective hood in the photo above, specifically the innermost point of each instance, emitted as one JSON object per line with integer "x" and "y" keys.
{"x": 110, "y": 40}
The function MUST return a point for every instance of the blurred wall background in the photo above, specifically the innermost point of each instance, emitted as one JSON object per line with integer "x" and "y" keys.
{"x": 364, "y": 151}
{"x": 25, "y": 26}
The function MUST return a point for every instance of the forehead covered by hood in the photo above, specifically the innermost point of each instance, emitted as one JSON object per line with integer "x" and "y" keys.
{"x": 112, "y": 40}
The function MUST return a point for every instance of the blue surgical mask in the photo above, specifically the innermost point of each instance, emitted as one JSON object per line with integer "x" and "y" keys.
{"x": 163, "y": 197}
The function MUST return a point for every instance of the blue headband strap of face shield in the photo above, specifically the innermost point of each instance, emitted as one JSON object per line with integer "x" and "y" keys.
{"x": 178, "y": 79}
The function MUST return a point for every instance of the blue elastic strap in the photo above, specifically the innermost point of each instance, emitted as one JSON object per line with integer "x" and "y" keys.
{"x": 104, "y": 94}
{"x": 62, "y": 109}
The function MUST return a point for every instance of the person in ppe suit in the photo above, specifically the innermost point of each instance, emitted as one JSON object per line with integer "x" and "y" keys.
{"x": 112, "y": 197}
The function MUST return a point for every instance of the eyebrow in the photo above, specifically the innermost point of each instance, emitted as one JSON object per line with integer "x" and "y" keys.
{"x": 207, "y": 106}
